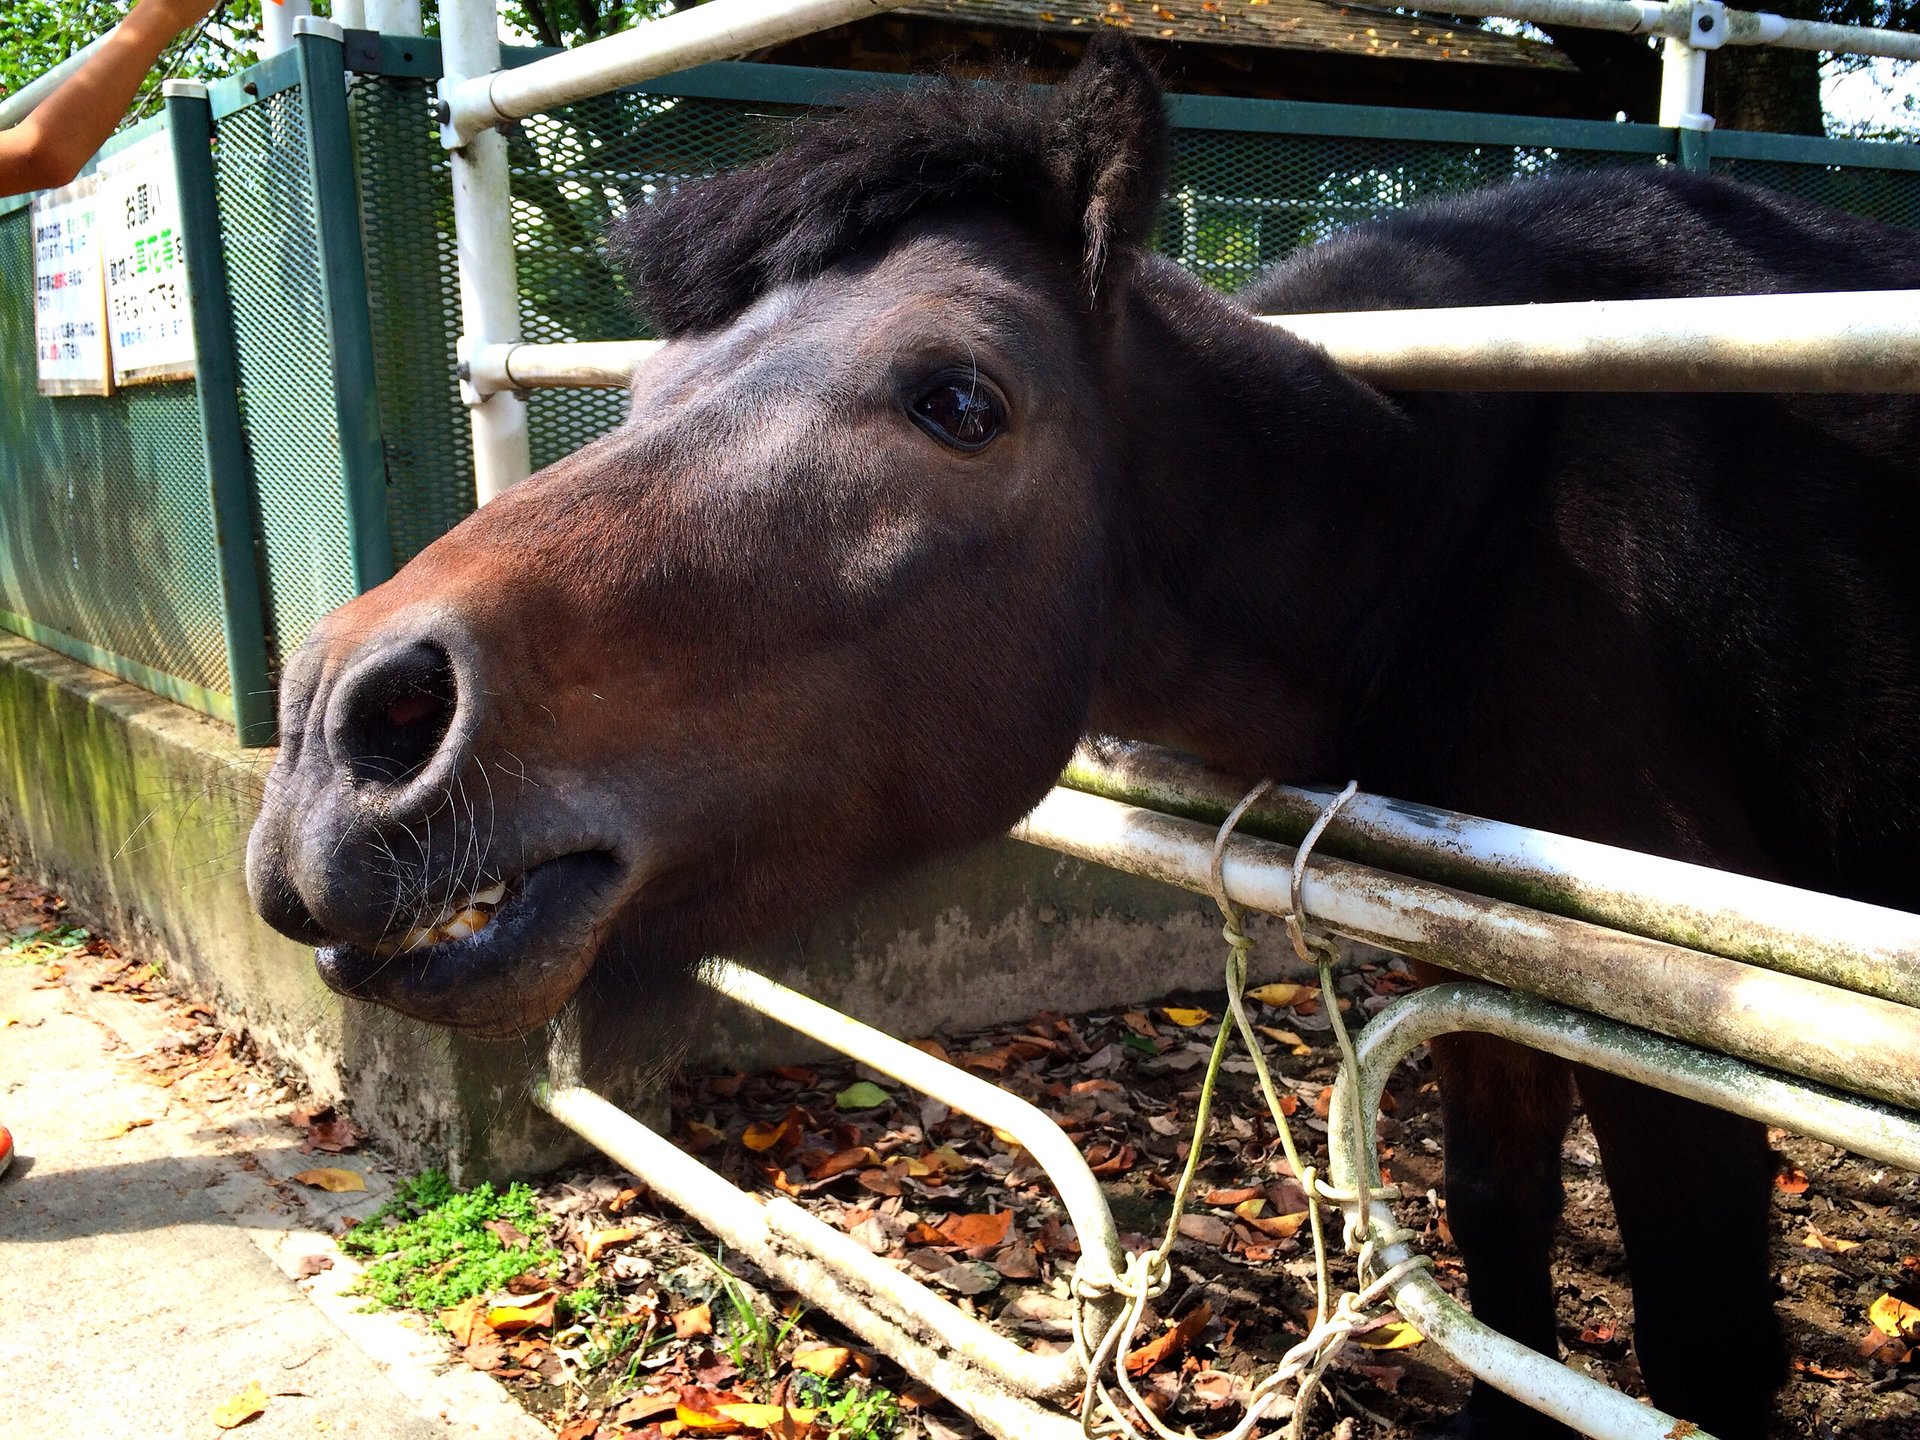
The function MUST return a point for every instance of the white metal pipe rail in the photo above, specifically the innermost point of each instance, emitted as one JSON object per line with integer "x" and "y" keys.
{"x": 1544, "y": 1383}
{"x": 1867, "y": 948}
{"x": 1858, "y": 1043}
{"x": 1681, "y": 21}
{"x": 20, "y": 104}
{"x": 1857, "y": 342}
{"x": 992, "y": 1377}
{"x": 717, "y": 30}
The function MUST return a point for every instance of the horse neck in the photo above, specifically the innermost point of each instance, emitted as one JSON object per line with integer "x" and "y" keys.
{"x": 1275, "y": 525}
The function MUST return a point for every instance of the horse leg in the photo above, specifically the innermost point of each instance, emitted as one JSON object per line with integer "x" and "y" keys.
{"x": 1692, "y": 1190}
{"x": 1505, "y": 1111}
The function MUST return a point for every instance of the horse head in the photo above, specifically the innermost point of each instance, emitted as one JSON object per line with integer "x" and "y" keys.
{"x": 829, "y": 601}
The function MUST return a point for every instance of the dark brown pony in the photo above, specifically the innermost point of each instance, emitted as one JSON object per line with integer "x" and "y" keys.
{"x": 939, "y": 471}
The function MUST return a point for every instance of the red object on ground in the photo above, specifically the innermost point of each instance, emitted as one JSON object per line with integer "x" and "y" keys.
{"x": 6, "y": 1149}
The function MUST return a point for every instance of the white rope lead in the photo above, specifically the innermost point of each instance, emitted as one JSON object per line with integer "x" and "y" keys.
{"x": 1146, "y": 1274}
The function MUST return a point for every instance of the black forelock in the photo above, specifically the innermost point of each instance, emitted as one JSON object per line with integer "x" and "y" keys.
{"x": 1071, "y": 165}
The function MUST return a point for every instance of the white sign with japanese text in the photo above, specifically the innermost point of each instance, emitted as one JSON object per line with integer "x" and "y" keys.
{"x": 141, "y": 241}
{"x": 69, "y": 292}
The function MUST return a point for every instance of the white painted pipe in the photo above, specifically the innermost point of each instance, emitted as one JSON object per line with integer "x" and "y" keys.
{"x": 851, "y": 1295}
{"x": 1865, "y": 342}
{"x": 717, "y": 30}
{"x": 1862, "y": 342}
{"x": 1683, "y": 86}
{"x": 1867, "y": 948}
{"x": 1102, "y": 1256}
{"x": 1678, "y": 21}
{"x": 1857, "y": 1043}
{"x": 1717, "y": 1080}
{"x": 277, "y": 21}
{"x": 20, "y": 104}
{"x": 483, "y": 253}
{"x": 394, "y": 17}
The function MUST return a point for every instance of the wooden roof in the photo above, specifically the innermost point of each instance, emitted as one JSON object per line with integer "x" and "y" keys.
{"x": 1314, "y": 25}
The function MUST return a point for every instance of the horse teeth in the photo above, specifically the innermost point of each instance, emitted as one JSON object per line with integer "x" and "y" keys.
{"x": 466, "y": 923}
{"x": 492, "y": 895}
{"x": 418, "y": 938}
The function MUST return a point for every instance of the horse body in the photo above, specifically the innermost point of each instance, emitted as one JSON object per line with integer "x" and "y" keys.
{"x": 938, "y": 472}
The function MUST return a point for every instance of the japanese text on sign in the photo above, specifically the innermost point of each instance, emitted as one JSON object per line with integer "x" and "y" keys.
{"x": 69, "y": 295}
{"x": 150, "y": 324}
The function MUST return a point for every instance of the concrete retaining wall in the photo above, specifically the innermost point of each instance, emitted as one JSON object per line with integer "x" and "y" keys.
{"x": 137, "y": 810}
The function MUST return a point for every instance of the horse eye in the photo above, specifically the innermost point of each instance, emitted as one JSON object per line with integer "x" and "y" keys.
{"x": 961, "y": 410}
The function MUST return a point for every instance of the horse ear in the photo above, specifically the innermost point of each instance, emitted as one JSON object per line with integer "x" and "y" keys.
{"x": 1108, "y": 147}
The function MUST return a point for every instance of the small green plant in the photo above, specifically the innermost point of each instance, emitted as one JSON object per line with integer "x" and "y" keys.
{"x": 852, "y": 1409}
{"x": 753, "y": 1341}
{"x": 42, "y": 944}
{"x": 434, "y": 1248}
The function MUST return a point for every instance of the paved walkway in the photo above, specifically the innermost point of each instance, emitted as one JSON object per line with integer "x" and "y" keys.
{"x": 147, "y": 1274}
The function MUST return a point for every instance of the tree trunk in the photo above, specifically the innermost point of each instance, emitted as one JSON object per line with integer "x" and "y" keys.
{"x": 1761, "y": 88}
{"x": 1623, "y": 71}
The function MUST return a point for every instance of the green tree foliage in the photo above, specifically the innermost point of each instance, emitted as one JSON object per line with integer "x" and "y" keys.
{"x": 36, "y": 35}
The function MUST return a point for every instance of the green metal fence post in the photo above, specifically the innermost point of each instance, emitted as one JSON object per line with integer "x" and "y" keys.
{"x": 1696, "y": 149}
{"x": 343, "y": 284}
{"x": 229, "y": 480}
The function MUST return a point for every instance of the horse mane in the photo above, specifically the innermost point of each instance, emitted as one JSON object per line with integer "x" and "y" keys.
{"x": 1083, "y": 165}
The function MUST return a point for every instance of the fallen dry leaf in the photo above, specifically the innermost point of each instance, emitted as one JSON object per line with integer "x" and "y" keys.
{"x": 1896, "y": 1317}
{"x": 507, "y": 1233}
{"x": 333, "y": 1133}
{"x": 761, "y": 1136}
{"x": 694, "y": 1320}
{"x": 1227, "y": 1199}
{"x": 1207, "y": 1229}
{"x": 639, "y": 1409}
{"x": 854, "y": 1158}
{"x": 338, "y": 1182}
{"x": 467, "y": 1321}
{"x": 528, "y": 1312}
{"x": 1172, "y": 1342}
{"x": 826, "y": 1361}
{"x": 1281, "y": 1227}
{"x": 239, "y": 1409}
{"x": 1815, "y": 1239}
{"x": 311, "y": 1265}
{"x": 1281, "y": 995}
{"x": 1187, "y": 1019}
{"x": 1821, "y": 1372}
{"x": 753, "y": 1416}
{"x": 1791, "y": 1180}
{"x": 1394, "y": 1335}
{"x": 972, "y": 1232}
{"x": 604, "y": 1240}
{"x": 122, "y": 1127}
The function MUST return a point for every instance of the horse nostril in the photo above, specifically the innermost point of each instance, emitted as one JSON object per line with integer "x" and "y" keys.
{"x": 396, "y": 714}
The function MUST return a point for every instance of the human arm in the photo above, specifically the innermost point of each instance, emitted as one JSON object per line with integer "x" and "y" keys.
{"x": 48, "y": 148}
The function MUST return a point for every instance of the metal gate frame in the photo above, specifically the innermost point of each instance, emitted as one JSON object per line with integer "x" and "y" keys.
{"x": 1835, "y": 978}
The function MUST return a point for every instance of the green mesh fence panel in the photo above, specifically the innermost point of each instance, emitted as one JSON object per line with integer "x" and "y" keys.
{"x": 1237, "y": 202}
{"x": 406, "y": 214}
{"x": 106, "y": 524}
{"x": 267, "y": 224}
{"x": 573, "y": 171}
{"x": 1889, "y": 195}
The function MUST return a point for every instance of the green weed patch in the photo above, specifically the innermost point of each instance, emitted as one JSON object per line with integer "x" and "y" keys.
{"x": 433, "y": 1246}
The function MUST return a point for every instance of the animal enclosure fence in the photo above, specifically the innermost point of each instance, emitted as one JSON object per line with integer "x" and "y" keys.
{"x": 331, "y": 200}
{"x": 327, "y": 217}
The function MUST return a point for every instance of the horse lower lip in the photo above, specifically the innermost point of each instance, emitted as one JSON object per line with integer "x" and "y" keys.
{"x": 493, "y": 980}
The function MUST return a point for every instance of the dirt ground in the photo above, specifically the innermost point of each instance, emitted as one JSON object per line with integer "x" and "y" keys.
{"x": 1125, "y": 1085}
{"x": 958, "y": 1206}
